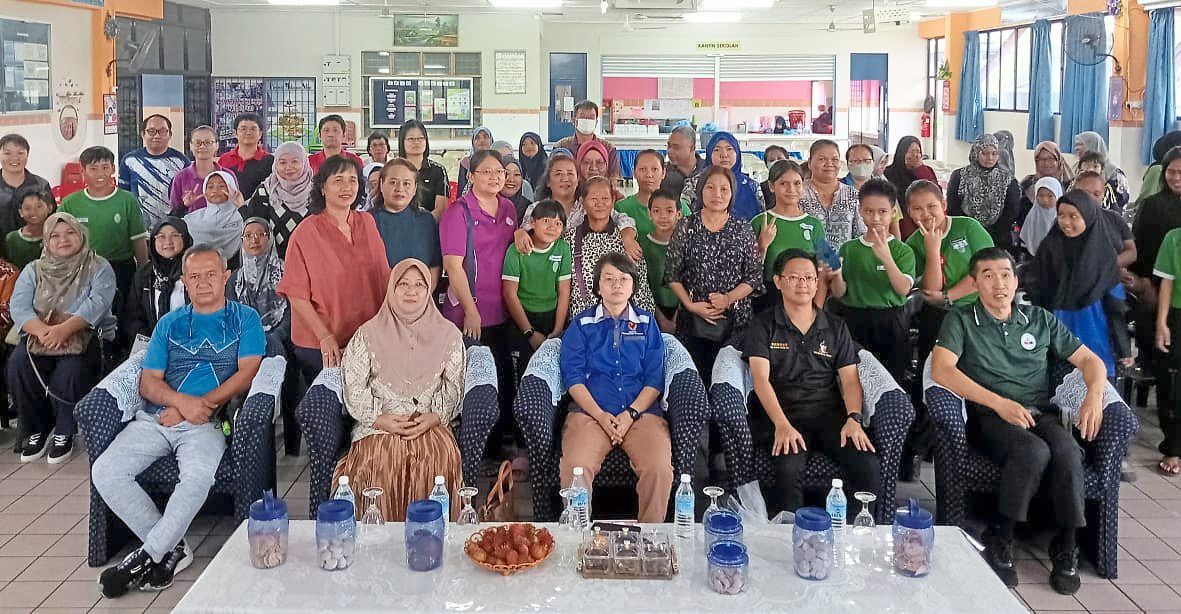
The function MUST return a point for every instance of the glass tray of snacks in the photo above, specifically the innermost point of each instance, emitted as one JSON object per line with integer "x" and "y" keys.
{"x": 627, "y": 554}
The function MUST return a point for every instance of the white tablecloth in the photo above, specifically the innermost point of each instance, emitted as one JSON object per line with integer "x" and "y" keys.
{"x": 379, "y": 581}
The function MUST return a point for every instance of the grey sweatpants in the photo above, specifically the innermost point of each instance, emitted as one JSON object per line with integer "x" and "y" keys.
{"x": 198, "y": 452}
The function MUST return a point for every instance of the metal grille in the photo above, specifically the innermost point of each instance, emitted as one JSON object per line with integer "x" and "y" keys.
{"x": 657, "y": 66}
{"x": 290, "y": 111}
{"x": 198, "y": 103}
{"x": 778, "y": 67}
{"x": 128, "y": 101}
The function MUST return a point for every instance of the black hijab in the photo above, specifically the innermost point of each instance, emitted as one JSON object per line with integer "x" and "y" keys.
{"x": 1164, "y": 144}
{"x": 897, "y": 173}
{"x": 1073, "y": 273}
{"x": 532, "y": 167}
{"x": 167, "y": 271}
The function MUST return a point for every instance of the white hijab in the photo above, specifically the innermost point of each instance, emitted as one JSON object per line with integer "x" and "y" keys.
{"x": 218, "y": 224}
{"x": 1040, "y": 220}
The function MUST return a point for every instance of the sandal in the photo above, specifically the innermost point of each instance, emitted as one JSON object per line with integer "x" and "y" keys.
{"x": 498, "y": 507}
{"x": 1169, "y": 466}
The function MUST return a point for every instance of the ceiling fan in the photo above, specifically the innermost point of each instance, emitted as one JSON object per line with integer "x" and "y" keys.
{"x": 832, "y": 24}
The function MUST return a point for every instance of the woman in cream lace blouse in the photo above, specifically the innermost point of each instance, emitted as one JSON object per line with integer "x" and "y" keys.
{"x": 403, "y": 383}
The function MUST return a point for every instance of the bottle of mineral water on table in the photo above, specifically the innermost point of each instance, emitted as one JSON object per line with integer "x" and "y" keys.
{"x": 836, "y": 506}
{"x": 439, "y": 493}
{"x": 345, "y": 493}
{"x": 684, "y": 508}
{"x": 581, "y": 500}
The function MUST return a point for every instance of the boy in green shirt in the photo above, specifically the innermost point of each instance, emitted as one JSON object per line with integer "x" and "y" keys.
{"x": 648, "y": 173}
{"x": 23, "y": 245}
{"x": 536, "y": 285}
{"x": 664, "y": 207}
{"x": 1168, "y": 318}
{"x": 876, "y": 274}
{"x": 112, "y": 218}
{"x": 784, "y": 226}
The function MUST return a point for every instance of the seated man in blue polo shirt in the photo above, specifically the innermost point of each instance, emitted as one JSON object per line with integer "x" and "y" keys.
{"x": 996, "y": 355}
{"x": 803, "y": 362}
{"x": 612, "y": 363}
{"x": 200, "y": 356}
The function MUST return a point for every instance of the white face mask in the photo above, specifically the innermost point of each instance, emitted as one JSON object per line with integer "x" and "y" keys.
{"x": 586, "y": 126}
{"x": 861, "y": 171}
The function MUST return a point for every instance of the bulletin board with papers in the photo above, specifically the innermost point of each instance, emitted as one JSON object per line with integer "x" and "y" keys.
{"x": 24, "y": 66}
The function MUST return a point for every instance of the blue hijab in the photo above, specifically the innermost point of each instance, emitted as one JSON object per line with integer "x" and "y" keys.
{"x": 746, "y": 203}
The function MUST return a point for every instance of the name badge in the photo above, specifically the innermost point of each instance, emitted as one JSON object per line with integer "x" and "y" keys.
{"x": 1028, "y": 342}
{"x": 775, "y": 345}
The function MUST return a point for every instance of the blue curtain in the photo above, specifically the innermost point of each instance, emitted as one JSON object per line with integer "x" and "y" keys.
{"x": 1160, "y": 111}
{"x": 1041, "y": 116}
{"x": 970, "y": 115}
{"x": 1084, "y": 86}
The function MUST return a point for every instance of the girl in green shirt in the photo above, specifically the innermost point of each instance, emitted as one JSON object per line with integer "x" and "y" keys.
{"x": 785, "y": 226}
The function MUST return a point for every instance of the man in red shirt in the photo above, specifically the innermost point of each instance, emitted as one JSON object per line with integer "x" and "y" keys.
{"x": 332, "y": 128}
{"x": 249, "y": 160}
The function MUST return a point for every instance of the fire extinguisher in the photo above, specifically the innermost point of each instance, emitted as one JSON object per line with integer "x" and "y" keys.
{"x": 926, "y": 125}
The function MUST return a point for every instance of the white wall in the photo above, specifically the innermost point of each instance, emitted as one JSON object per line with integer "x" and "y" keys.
{"x": 70, "y": 60}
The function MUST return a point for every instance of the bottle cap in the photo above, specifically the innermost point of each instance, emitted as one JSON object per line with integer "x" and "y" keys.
{"x": 813, "y": 519}
{"x": 837, "y": 483}
{"x": 723, "y": 522}
{"x": 685, "y": 478}
{"x": 728, "y": 553}
{"x": 578, "y": 471}
{"x": 423, "y": 511}
{"x": 439, "y": 480}
{"x": 336, "y": 510}
{"x": 268, "y": 507}
{"x": 913, "y": 516}
{"x": 344, "y": 480}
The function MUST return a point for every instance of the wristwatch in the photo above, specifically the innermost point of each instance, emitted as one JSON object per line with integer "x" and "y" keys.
{"x": 529, "y": 333}
{"x": 634, "y": 413}
{"x": 855, "y": 417}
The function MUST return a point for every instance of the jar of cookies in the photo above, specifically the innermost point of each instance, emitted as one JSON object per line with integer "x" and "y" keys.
{"x": 728, "y": 566}
{"x": 914, "y": 540}
{"x": 267, "y": 530}
{"x": 812, "y": 544}
{"x": 336, "y": 534}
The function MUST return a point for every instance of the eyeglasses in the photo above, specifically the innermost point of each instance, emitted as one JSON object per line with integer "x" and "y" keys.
{"x": 204, "y": 143}
{"x": 800, "y": 279}
{"x": 255, "y": 236}
{"x": 616, "y": 281}
{"x": 157, "y": 131}
{"x": 492, "y": 172}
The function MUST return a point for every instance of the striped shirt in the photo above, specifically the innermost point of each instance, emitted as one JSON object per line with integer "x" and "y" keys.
{"x": 148, "y": 177}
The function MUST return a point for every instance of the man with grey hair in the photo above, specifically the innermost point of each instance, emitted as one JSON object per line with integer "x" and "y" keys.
{"x": 200, "y": 357}
{"x": 683, "y": 161}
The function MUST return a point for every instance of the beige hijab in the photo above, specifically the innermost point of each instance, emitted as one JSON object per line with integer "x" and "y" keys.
{"x": 60, "y": 278}
{"x": 415, "y": 344}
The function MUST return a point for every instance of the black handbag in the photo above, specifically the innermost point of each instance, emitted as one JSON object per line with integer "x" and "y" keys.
{"x": 701, "y": 328}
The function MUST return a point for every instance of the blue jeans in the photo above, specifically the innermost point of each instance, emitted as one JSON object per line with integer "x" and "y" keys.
{"x": 198, "y": 450}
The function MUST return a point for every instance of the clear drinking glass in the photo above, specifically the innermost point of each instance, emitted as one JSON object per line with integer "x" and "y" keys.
{"x": 569, "y": 519}
{"x": 370, "y": 530}
{"x": 864, "y": 518}
{"x": 468, "y": 516}
{"x": 713, "y": 492}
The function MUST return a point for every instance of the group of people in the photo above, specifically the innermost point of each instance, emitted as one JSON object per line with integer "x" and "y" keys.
{"x": 376, "y": 270}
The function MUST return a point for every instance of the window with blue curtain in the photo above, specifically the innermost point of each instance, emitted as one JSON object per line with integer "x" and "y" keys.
{"x": 1041, "y": 111}
{"x": 970, "y": 115}
{"x": 1084, "y": 84}
{"x": 1160, "y": 90}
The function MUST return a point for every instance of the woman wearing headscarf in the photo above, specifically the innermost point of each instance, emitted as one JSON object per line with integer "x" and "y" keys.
{"x": 531, "y": 153}
{"x": 481, "y": 139}
{"x": 1005, "y": 140}
{"x": 1048, "y": 162}
{"x": 985, "y": 192}
{"x": 283, "y": 196}
{"x": 61, "y": 303}
{"x": 403, "y": 378}
{"x": 1042, "y": 217}
{"x": 723, "y": 150}
{"x": 1150, "y": 184}
{"x": 592, "y": 159}
{"x": 156, "y": 288}
{"x": 256, "y": 285}
{"x": 906, "y": 168}
{"x": 514, "y": 187}
{"x": 1117, "y": 181}
{"x": 1078, "y": 279}
{"x": 504, "y": 147}
{"x": 218, "y": 223}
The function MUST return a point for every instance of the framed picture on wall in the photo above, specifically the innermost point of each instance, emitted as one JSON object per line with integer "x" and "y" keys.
{"x": 426, "y": 30}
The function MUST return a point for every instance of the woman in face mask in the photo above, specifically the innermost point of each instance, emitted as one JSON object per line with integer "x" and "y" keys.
{"x": 860, "y": 160}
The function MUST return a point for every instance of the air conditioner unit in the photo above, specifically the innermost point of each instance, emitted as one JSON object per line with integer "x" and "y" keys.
{"x": 892, "y": 14}
{"x": 654, "y": 5}
{"x": 1016, "y": 11}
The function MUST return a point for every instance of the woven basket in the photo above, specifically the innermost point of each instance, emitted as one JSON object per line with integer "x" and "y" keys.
{"x": 504, "y": 570}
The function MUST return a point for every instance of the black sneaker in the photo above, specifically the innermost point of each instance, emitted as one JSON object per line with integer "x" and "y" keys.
{"x": 33, "y": 447}
{"x": 128, "y": 574}
{"x": 61, "y": 448}
{"x": 161, "y": 574}
{"x": 1064, "y": 576}
{"x": 999, "y": 554}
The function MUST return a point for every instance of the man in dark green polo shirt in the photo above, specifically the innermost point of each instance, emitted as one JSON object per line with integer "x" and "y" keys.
{"x": 996, "y": 355}
{"x": 804, "y": 362}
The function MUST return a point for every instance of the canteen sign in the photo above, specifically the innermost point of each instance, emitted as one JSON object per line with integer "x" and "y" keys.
{"x": 718, "y": 46}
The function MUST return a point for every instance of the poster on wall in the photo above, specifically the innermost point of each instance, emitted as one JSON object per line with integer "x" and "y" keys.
{"x": 426, "y": 30}
{"x": 286, "y": 105}
{"x": 438, "y": 103}
{"x": 232, "y": 97}
{"x": 510, "y": 71}
{"x": 110, "y": 115}
{"x": 24, "y": 66}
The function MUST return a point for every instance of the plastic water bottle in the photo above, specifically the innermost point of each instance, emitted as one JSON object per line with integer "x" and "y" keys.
{"x": 581, "y": 500}
{"x": 344, "y": 492}
{"x": 836, "y": 505}
{"x": 683, "y": 520}
{"x": 439, "y": 493}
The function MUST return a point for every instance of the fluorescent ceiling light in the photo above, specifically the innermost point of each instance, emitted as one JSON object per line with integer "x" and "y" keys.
{"x": 734, "y": 5}
{"x": 304, "y": 2}
{"x": 713, "y": 17}
{"x": 526, "y": 4}
{"x": 960, "y": 4}
{"x": 603, "y": 6}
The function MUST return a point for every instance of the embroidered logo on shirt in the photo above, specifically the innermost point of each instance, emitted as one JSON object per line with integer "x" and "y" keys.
{"x": 777, "y": 345}
{"x": 822, "y": 350}
{"x": 807, "y": 228}
{"x": 881, "y": 267}
{"x": 557, "y": 260}
{"x": 118, "y": 218}
{"x": 1028, "y": 342}
{"x": 960, "y": 244}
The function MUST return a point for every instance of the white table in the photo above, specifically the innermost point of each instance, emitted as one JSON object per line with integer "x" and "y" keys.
{"x": 379, "y": 581}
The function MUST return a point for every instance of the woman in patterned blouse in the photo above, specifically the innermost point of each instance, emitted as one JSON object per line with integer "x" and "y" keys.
{"x": 827, "y": 198}
{"x": 593, "y": 237}
{"x": 403, "y": 375}
{"x": 714, "y": 268}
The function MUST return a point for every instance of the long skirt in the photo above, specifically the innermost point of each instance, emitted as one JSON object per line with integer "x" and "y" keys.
{"x": 404, "y": 469}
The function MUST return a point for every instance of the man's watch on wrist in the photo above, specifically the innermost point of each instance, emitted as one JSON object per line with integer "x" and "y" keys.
{"x": 855, "y": 417}
{"x": 634, "y": 413}
{"x": 529, "y": 333}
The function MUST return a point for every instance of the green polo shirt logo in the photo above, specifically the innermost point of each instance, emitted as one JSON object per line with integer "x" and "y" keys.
{"x": 1028, "y": 342}
{"x": 960, "y": 244}
{"x": 807, "y": 228}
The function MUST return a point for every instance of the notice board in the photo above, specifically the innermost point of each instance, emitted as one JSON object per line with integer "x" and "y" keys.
{"x": 438, "y": 102}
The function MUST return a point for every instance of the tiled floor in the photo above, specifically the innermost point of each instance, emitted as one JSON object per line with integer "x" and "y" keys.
{"x": 43, "y": 526}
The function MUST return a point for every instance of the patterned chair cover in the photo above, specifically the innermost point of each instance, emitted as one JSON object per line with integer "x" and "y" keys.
{"x": 959, "y": 469}
{"x": 536, "y": 412}
{"x": 246, "y": 469}
{"x": 325, "y": 423}
{"x": 885, "y": 406}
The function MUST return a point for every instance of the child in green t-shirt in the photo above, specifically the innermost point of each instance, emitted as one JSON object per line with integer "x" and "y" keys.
{"x": 648, "y": 173}
{"x": 664, "y": 209}
{"x": 784, "y": 226}
{"x": 536, "y": 285}
{"x": 23, "y": 245}
{"x": 876, "y": 275}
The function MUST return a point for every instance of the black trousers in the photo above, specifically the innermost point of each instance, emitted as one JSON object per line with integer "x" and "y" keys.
{"x": 309, "y": 362}
{"x": 703, "y": 352}
{"x": 68, "y": 379}
{"x": 822, "y": 435}
{"x": 884, "y": 332}
{"x": 519, "y": 349}
{"x": 1166, "y": 367}
{"x": 1046, "y": 456}
{"x": 124, "y": 274}
{"x": 928, "y": 321}
{"x": 498, "y": 340}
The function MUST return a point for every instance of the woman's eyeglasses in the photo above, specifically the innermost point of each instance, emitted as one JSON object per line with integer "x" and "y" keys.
{"x": 492, "y": 172}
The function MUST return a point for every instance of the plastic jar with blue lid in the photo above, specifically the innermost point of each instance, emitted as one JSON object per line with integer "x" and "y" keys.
{"x": 914, "y": 540}
{"x": 336, "y": 534}
{"x": 812, "y": 544}
{"x": 728, "y": 567}
{"x": 424, "y": 535}
{"x": 267, "y": 531}
{"x": 722, "y": 525}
